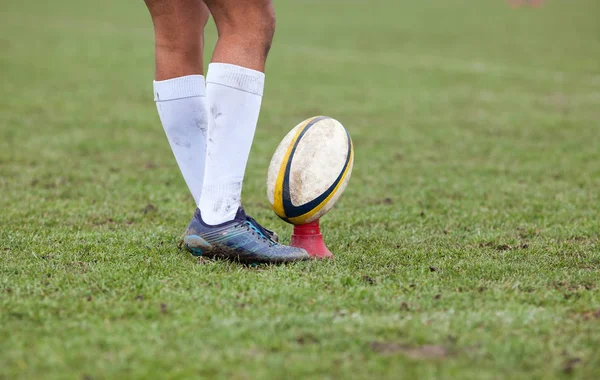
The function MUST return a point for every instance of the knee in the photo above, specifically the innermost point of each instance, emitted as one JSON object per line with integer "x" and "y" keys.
{"x": 260, "y": 29}
{"x": 254, "y": 23}
{"x": 178, "y": 23}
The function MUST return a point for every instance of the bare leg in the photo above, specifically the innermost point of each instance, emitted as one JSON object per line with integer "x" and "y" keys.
{"x": 179, "y": 36}
{"x": 246, "y": 29}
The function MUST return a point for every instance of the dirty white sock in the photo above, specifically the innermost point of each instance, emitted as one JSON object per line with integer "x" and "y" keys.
{"x": 181, "y": 105}
{"x": 234, "y": 95}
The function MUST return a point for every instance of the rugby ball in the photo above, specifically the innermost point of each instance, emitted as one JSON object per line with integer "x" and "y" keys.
{"x": 310, "y": 170}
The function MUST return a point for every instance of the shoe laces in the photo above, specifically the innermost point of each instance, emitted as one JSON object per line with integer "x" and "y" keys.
{"x": 263, "y": 232}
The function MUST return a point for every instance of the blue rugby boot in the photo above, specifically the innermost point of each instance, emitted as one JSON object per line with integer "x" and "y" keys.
{"x": 241, "y": 239}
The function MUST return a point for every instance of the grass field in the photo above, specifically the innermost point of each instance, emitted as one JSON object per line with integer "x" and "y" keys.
{"x": 467, "y": 242}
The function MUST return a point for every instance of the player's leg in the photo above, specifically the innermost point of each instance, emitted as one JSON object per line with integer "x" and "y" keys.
{"x": 179, "y": 88}
{"x": 234, "y": 87}
{"x": 246, "y": 30}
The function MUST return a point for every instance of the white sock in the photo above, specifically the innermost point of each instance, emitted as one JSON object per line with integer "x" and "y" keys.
{"x": 181, "y": 105}
{"x": 234, "y": 96}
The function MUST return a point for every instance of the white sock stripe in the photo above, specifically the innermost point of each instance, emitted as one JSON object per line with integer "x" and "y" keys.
{"x": 178, "y": 88}
{"x": 237, "y": 77}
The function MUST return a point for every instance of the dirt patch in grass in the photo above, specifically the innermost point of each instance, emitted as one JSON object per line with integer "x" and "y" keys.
{"x": 149, "y": 208}
{"x": 427, "y": 351}
{"x": 369, "y": 280}
{"x": 382, "y": 201}
{"x": 503, "y": 247}
{"x": 570, "y": 365}
{"x": 306, "y": 339}
{"x": 573, "y": 287}
{"x": 590, "y": 315}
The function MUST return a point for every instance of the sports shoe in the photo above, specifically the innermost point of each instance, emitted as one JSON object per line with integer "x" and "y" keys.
{"x": 241, "y": 239}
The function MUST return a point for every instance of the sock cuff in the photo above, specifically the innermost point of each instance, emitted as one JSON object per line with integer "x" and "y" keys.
{"x": 237, "y": 77}
{"x": 178, "y": 88}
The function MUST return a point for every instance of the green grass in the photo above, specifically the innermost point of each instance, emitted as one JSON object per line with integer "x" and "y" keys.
{"x": 467, "y": 243}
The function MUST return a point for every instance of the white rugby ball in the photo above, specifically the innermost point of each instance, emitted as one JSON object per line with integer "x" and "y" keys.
{"x": 310, "y": 170}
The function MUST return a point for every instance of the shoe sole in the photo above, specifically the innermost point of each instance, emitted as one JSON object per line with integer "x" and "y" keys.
{"x": 197, "y": 246}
